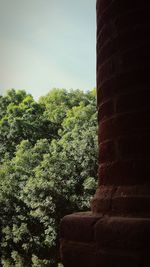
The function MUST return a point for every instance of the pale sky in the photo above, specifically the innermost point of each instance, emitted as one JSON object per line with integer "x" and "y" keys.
{"x": 46, "y": 44}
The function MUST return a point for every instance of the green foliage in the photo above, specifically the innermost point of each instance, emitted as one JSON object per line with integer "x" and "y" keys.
{"x": 48, "y": 169}
{"x": 22, "y": 119}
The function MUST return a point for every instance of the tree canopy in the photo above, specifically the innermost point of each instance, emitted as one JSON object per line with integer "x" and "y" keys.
{"x": 48, "y": 168}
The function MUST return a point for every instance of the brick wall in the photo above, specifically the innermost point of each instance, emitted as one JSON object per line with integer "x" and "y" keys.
{"x": 123, "y": 90}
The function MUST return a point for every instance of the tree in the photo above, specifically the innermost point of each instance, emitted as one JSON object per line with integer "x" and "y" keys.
{"x": 22, "y": 119}
{"x": 59, "y": 101}
{"x": 47, "y": 176}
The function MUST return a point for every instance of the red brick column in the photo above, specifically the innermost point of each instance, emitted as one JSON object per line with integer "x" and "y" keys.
{"x": 117, "y": 231}
{"x": 123, "y": 89}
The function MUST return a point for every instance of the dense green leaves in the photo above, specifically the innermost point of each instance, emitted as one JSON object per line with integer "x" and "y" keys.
{"x": 48, "y": 169}
{"x": 22, "y": 118}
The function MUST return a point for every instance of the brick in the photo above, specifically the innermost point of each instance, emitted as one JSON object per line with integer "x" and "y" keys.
{"x": 133, "y": 205}
{"x": 120, "y": 43}
{"x": 127, "y": 172}
{"x": 122, "y": 200}
{"x": 124, "y": 22}
{"x": 103, "y": 4}
{"x": 107, "y": 152}
{"x": 78, "y": 226}
{"x": 124, "y": 233}
{"x": 75, "y": 254}
{"x": 133, "y": 200}
{"x": 134, "y": 147}
{"x": 117, "y": 8}
{"x": 110, "y": 68}
{"x": 130, "y": 60}
{"x": 103, "y": 36}
{"x": 102, "y": 199}
{"x": 133, "y": 101}
{"x": 106, "y": 110}
{"x": 136, "y": 58}
{"x": 117, "y": 258}
{"x": 133, "y": 81}
{"x": 124, "y": 125}
{"x": 90, "y": 255}
{"x": 99, "y": 97}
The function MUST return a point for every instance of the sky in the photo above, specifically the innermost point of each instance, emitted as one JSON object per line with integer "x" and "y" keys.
{"x": 47, "y": 44}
